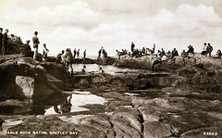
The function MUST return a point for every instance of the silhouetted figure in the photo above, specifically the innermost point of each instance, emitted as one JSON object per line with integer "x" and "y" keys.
{"x": 84, "y": 69}
{"x": 59, "y": 57}
{"x": 77, "y": 53}
{"x": 132, "y": 46}
{"x": 219, "y": 54}
{"x": 99, "y": 53}
{"x": 209, "y": 49}
{"x": 1, "y": 37}
{"x": 5, "y": 42}
{"x": 74, "y": 53}
{"x": 190, "y": 50}
{"x": 175, "y": 53}
{"x": 1, "y": 123}
{"x": 45, "y": 53}
{"x": 36, "y": 43}
{"x": 101, "y": 70}
{"x": 84, "y": 54}
{"x": 104, "y": 53}
{"x": 204, "y": 52}
{"x": 26, "y": 51}
{"x": 69, "y": 59}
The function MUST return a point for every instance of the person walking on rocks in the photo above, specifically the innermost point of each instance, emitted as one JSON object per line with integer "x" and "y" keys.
{"x": 209, "y": 49}
{"x": 5, "y": 42}
{"x": 36, "y": 43}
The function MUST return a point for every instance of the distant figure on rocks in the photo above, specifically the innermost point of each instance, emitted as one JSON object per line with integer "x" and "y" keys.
{"x": 5, "y": 41}
{"x": 84, "y": 69}
{"x": 209, "y": 49}
{"x": 190, "y": 50}
{"x": 74, "y": 53}
{"x": 101, "y": 70}
{"x": 36, "y": 43}
{"x": 204, "y": 52}
{"x": 84, "y": 54}
{"x": 1, "y": 123}
{"x": 99, "y": 53}
{"x": 1, "y": 37}
{"x": 105, "y": 53}
{"x": 45, "y": 52}
{"x": 59, "y": 57}
{"x": 132, "y": 46}
{"x": 69, "y": 59}
{"x": 26, "y": 51}
{"x": 184, "y": 55}
{"x": 77, "y": 53}
{"x": 219, "y": 54}
{"x": 175, "y": 53}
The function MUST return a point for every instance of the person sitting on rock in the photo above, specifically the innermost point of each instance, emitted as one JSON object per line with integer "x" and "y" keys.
{"x": 209, "y": 49}
{"x": 190, "y": 50}
{"x": 26, "y": 51}
{"x": 45, "y": 53}
{"x": 174, "y": 53}
{"x": 84, "y": 69}
{"x": 219, "y": 54}
{"x": 69, "y": 59}
{"x": 59, "y": 57}
{"x": 65, "y": 107}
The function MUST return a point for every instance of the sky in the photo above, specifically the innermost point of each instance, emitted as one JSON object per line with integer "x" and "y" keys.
{"x": 114, "y": 24}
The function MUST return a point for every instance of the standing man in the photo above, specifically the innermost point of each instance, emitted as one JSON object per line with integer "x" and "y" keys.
{"x": 84, "y": 54}
{"x": 209, "y": 49}
{"x": 74, "y": 53}
{"x": 36, "y": 43}
{"x": 5, "y": 41}
{"x": 132, "y": 47}
{"x": 69, "y": 59}
{"x": 1, "y": 37}
{"x": 78, "y": 53}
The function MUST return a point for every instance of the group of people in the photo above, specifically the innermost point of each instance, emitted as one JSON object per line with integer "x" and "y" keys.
{"x": 3, "y": 41}
{"x": 102, "y": 51}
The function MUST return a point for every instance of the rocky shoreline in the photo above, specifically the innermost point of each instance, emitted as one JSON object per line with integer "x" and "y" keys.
{"x": 173, "y": 101}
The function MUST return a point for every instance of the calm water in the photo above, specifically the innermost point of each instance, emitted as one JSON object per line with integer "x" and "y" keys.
{"x": 107, "y": 68}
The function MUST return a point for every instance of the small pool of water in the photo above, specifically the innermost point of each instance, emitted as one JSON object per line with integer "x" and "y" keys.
{"x": 106, "y": 68}
{"x": 75, "y": 102}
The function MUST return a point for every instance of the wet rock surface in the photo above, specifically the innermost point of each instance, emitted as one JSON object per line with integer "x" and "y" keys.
{"x": 184, "y": 102}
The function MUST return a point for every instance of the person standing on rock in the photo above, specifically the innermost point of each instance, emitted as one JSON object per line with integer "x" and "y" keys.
{"x": 1, "y": 37}
{"x": 132, "y": 47}
{"x": 5, "y": 42}
{"x": 69, "y": 59}
{"x": 74, "y": 53}
{"x": 36, "y": 43}
{"x": 45, "y": 52}
{"x": 77, "y": 53}
{"x": 209, "y": 49}
{"x": 84, "y": 54}
{"x": 204, "y": 52}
